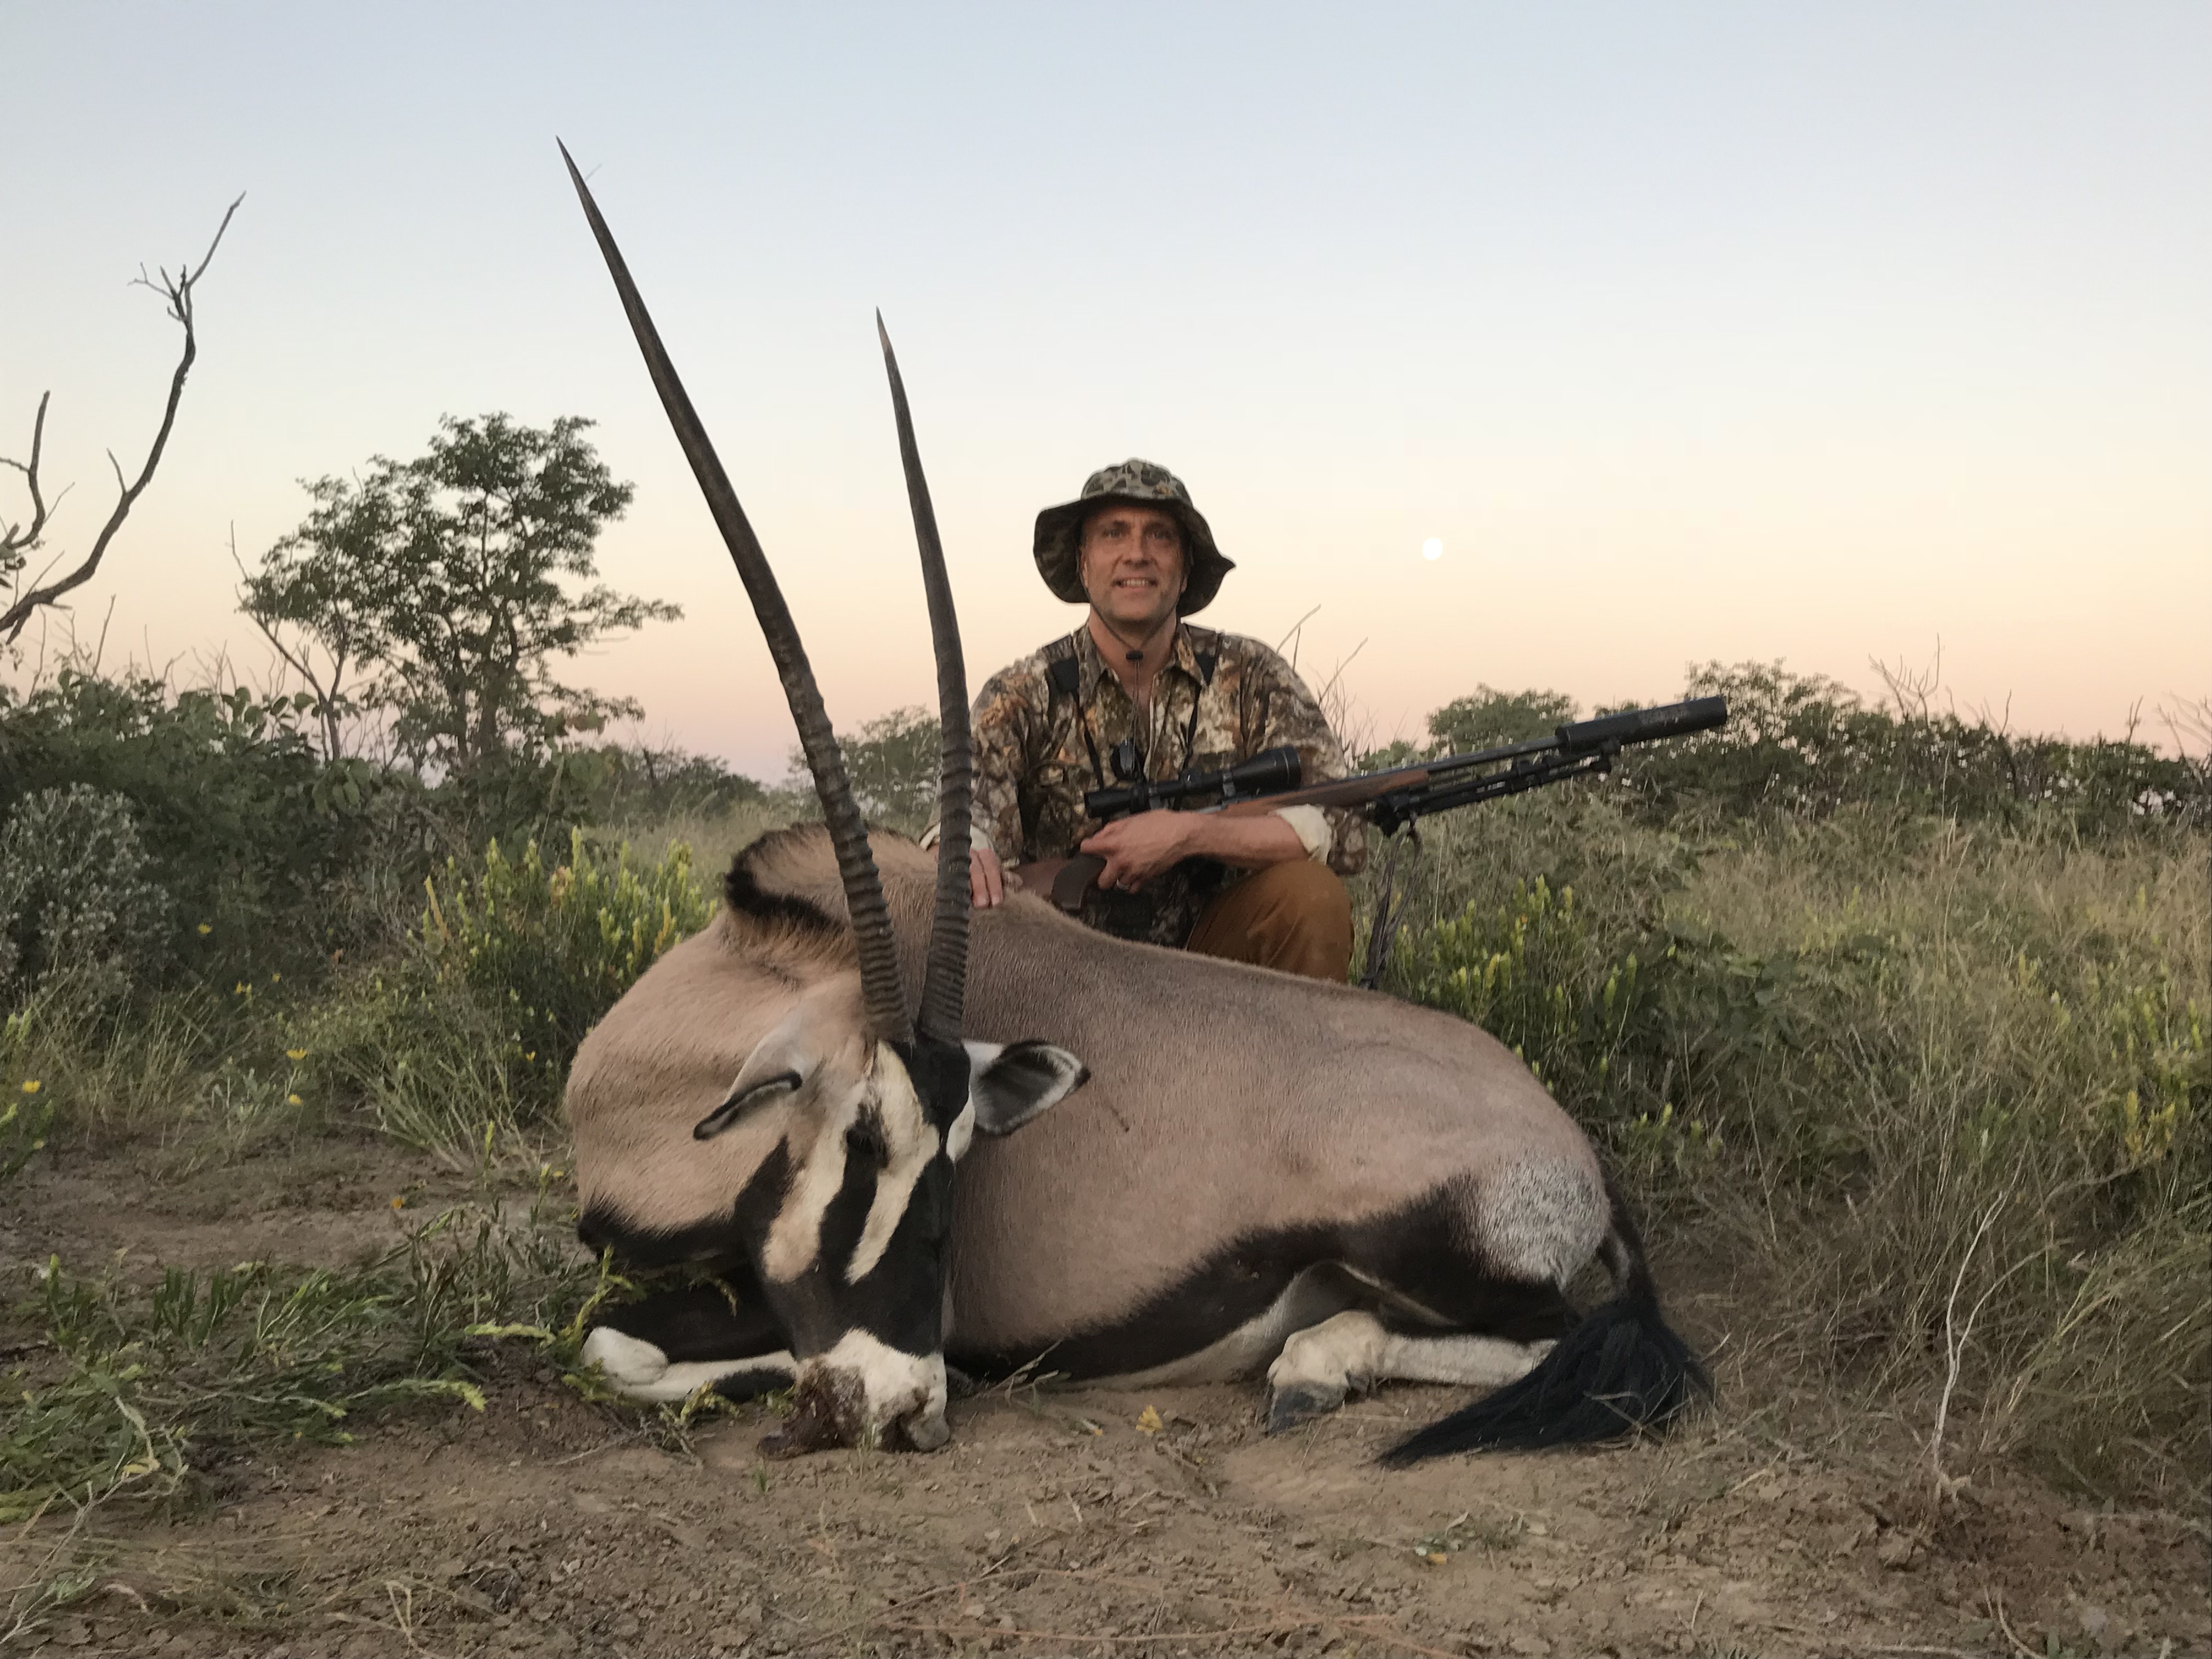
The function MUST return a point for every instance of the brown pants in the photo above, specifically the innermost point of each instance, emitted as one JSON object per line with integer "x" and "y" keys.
{"x": 1295, "y": 917}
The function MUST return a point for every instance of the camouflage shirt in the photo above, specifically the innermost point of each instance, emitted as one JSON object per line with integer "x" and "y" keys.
{"x": 1037, "y": 750}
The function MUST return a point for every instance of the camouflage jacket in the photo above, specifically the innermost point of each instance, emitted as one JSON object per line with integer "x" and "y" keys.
{"x": 1037, "y": 750}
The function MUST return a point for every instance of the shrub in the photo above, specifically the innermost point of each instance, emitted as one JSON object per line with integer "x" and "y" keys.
{"x": 555, "y": 946}
{"x": 468, "y": 1035}
{"x": 638, "y": 783}
{"x": 250, "y": 836}
{"x": 1596, "y": 1015}
{"x": 1490, "y": 717}
{"x": 1528, "y": 973}
{"x": 1804, "y": 746}
{"x": 74, "y": 892}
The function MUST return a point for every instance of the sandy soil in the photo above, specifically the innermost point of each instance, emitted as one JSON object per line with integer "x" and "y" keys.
{"x": 1056, "y": 1522}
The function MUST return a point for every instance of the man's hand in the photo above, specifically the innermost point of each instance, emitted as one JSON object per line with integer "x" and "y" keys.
{"x": 1138, "y": 848}
{"x": 986, "y": 878}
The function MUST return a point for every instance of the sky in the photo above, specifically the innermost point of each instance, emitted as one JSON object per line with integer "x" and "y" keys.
{"x": 1834, "y": 334}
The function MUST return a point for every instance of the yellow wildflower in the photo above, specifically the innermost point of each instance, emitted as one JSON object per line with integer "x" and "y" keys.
{"x": 295, "y": 1053}
{"x": 207, "y": 928}
{"x": 31, "y": 1085}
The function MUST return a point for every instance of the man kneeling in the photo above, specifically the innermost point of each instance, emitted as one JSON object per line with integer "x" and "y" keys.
{"x": 1137, "y": 692}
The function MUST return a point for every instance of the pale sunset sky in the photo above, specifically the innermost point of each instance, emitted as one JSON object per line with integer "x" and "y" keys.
{"x": 1825, "y": 332}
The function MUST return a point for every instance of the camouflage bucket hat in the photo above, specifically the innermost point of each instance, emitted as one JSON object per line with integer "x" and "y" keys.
{"x": 1060, "y": 532}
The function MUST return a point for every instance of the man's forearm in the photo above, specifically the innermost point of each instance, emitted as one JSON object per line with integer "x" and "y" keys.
{"x": 1250, "y": 843}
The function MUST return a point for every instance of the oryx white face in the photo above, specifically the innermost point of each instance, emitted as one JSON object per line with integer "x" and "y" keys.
{"x": 847, "y": 1217}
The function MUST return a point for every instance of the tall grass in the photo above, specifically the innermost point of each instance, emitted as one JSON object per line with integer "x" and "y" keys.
{"x": 1952, "y": 1087}
{"x": 96, "y": 1071}
{"x": 185, "y": 1077}
{"x": 456, "y": 1039}
{"x": 713, "y": 836}
{"x": 2017, "y": 1112}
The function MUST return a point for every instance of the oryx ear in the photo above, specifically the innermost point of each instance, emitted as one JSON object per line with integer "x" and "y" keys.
{"x": 780, "y": 1062}
{"x": 1011, "y": 1084}
{"x": 742, "y": 1097}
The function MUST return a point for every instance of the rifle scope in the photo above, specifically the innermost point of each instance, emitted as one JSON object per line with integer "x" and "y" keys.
{"x": 1270, "y": 772}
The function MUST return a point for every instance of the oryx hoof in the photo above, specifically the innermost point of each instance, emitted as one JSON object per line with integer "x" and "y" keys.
{"x": 926, "y": 1433}
{"x": 1300, "y": 1402}
{"x": 627, "y": 1364}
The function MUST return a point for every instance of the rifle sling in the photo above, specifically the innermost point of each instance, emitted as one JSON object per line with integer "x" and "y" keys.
{"x": 1073, "y": 879}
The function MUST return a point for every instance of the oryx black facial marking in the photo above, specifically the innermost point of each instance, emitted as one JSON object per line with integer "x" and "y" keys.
{"x": 716, "y": 1242}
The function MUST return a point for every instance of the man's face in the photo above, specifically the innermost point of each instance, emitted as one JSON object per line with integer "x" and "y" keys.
{"x": 1133, "y": 565}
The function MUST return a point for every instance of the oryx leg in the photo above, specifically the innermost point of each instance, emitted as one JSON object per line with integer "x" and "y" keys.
{"x": 1354, "y": 1351}
{"x": 669, "y": 1345}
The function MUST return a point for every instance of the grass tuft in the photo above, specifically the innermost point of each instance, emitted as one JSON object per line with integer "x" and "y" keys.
{"x": 134, "y": 1389}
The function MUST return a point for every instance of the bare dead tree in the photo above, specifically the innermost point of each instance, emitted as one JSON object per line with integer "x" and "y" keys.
{"x": 1912, "y": 691}
{"x": 19, "y": 541}
{"x": 2189, "y": 724}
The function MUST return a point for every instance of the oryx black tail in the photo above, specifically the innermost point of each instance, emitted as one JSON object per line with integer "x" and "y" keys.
{"x": 1622, "y": 1370}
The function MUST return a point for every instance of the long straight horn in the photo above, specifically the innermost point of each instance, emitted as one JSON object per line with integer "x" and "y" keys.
{"x": 863, "y": 892}
{"x": 945, "y": 982}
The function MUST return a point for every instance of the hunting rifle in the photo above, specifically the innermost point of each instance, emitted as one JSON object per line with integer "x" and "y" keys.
{"x": 1390, "y": 800}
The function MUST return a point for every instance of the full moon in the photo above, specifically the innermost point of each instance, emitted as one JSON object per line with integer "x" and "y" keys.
{"x": 1432, "y": 549}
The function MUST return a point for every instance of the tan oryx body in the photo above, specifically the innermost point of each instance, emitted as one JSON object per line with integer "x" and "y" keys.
{"x": 1256, "y": 1172}
{"x": 1224, "y": 1103}
{"x": 1263, "y": 1174}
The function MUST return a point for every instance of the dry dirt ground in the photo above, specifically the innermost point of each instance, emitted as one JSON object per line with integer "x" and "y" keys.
{"x": 1056, "y": 1522}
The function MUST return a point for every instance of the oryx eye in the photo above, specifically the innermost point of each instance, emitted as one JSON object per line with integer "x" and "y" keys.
{"x": 865, "y": 1140}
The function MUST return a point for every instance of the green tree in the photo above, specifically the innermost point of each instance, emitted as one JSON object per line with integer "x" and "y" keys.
{"x": 458, "y": 581}
{"x": 1490, "y": 717}
{"x": 637, "y": 782}
{"x": 893, "y": 762}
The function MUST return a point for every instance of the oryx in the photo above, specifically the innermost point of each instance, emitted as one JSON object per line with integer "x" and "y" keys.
{"x": 1256, "y": 1174}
